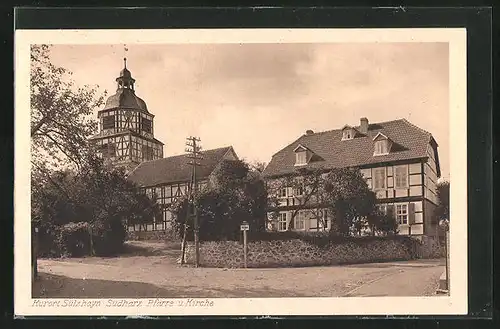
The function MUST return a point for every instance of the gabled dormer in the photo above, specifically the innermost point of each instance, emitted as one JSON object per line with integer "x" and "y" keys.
{"x": 302, "y": 155}
{"x": 382, "y": 144}
{"x": 348, "y": 132}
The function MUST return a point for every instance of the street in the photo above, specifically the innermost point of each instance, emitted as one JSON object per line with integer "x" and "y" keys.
{"x": 158, "y": 275}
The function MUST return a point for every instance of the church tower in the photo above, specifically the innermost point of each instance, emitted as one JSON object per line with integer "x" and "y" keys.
{"x": 126, "y": 130}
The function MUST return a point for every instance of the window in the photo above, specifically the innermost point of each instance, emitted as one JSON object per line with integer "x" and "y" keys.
{"x": 301, "y": 158}
{"x": 379, "y": 174}
{"x": 282, "y": 193}
{"x": 147, "y": 125}
{"x": 147, "y": 152}
{"x": 381, "y": 147}
{"x": 347, "y": 134}
{"x": 282, "y": 221}
{"x": 298, "y": 191}
{"x": 402, "y": 213}
{"x": 108, "y": 150}
{"x": 401, "y": 173}
{"x": 324, "y": 222}
{"x": 108, "y": 122}
{"x": 300, "y": 221}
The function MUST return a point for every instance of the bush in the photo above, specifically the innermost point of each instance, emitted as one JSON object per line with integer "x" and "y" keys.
{"x": 74, "y": 240}
{"x": 108, "y": 237}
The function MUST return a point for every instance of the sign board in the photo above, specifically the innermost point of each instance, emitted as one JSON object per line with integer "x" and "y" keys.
{"x": 244, "y": 227}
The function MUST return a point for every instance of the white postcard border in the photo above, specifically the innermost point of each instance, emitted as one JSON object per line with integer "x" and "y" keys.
{"x": 455, "y": 303}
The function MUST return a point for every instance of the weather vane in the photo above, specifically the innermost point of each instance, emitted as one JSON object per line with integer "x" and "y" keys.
{"x": 125, "y": 49}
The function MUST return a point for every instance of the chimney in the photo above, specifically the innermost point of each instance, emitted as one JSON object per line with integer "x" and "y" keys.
{"x": 309, "y": 132}
{"x": 363, "y": 125}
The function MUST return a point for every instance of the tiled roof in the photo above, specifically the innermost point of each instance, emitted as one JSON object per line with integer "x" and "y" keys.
{"x": 410, "y": 142}
{"x": 176, "y": 168}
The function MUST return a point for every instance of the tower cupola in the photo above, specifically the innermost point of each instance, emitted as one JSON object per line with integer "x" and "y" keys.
{"x": 125, "y": 80}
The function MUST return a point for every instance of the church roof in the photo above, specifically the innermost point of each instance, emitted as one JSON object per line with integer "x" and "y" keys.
{"x": 126, "y": 98}
{"x": 176, "y": 168}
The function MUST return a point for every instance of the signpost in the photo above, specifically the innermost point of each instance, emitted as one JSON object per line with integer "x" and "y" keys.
{"x": 245, "y": 227}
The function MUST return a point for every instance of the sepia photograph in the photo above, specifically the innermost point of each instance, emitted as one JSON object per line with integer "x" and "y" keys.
{"x": 206, "y": 169}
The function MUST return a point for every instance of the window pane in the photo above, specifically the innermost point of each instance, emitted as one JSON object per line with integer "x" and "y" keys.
{"x": 379, "y": 178}
{"x": 401, "y": 177}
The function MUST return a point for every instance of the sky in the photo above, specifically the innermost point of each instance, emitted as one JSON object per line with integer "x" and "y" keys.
{"x": 258, "y": 98}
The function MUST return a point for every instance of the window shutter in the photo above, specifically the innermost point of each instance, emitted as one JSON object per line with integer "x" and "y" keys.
{"x": 411, "y": 213}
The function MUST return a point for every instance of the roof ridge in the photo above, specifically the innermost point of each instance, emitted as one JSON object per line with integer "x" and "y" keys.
{"x": 184, "y": 154}
{"x": 340, "y": 129}
{"x": 415, "y": 126}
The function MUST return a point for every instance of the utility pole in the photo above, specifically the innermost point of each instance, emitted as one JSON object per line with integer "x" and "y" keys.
{"x": 194, "y": 153}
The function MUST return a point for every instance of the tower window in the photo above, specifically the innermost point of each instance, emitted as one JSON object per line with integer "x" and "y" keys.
{"x": 147, "y": 125}
{"x": 108, "y": 122}
{"x": 147, "y": 152}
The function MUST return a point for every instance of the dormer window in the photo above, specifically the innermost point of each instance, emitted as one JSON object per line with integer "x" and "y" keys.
{"x": 382, "y": 144}
{"x": 301, "y": 155}
{"x": 301, "y": 158}
{"x": 347, "y": 134}
{"x": 381, "y": 147}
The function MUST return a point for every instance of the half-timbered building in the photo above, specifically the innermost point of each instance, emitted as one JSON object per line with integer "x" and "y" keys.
{"x": 164, "y": 180}
{"x": 126, "y": 130}
{"x": 398, "y": 160}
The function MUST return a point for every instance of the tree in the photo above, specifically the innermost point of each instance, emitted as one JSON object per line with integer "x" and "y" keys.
{"x": 258, "y": 166}
{"x": 61, "y": 113}
{"x": 341, "y": 192}
{"x": 305, "y": 186}
{"x": 235, "y": 194}
{"x": 443, "y": 193}
{"x": 382, "y": 224}
{"x": 97, "y": 195}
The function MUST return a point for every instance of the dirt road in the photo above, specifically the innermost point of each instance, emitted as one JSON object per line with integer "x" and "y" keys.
{"x": 157, "y": 275}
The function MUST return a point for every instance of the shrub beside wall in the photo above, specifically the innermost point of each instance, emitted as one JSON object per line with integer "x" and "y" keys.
{"x": 298, "y": 252}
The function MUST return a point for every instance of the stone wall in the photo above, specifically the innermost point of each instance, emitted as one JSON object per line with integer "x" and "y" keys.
{"x": 430, "y": 247}
{"x": 297, "y": 252}
{"x": 152, "y": 235}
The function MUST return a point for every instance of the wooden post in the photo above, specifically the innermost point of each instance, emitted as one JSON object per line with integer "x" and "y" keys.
{"x": 195, "y": 155}
{"x": 91, "y": 241}
{"x": 183, "y": 245}
{"x": 34, "y": 252}
{"x": 245, "y": 247}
